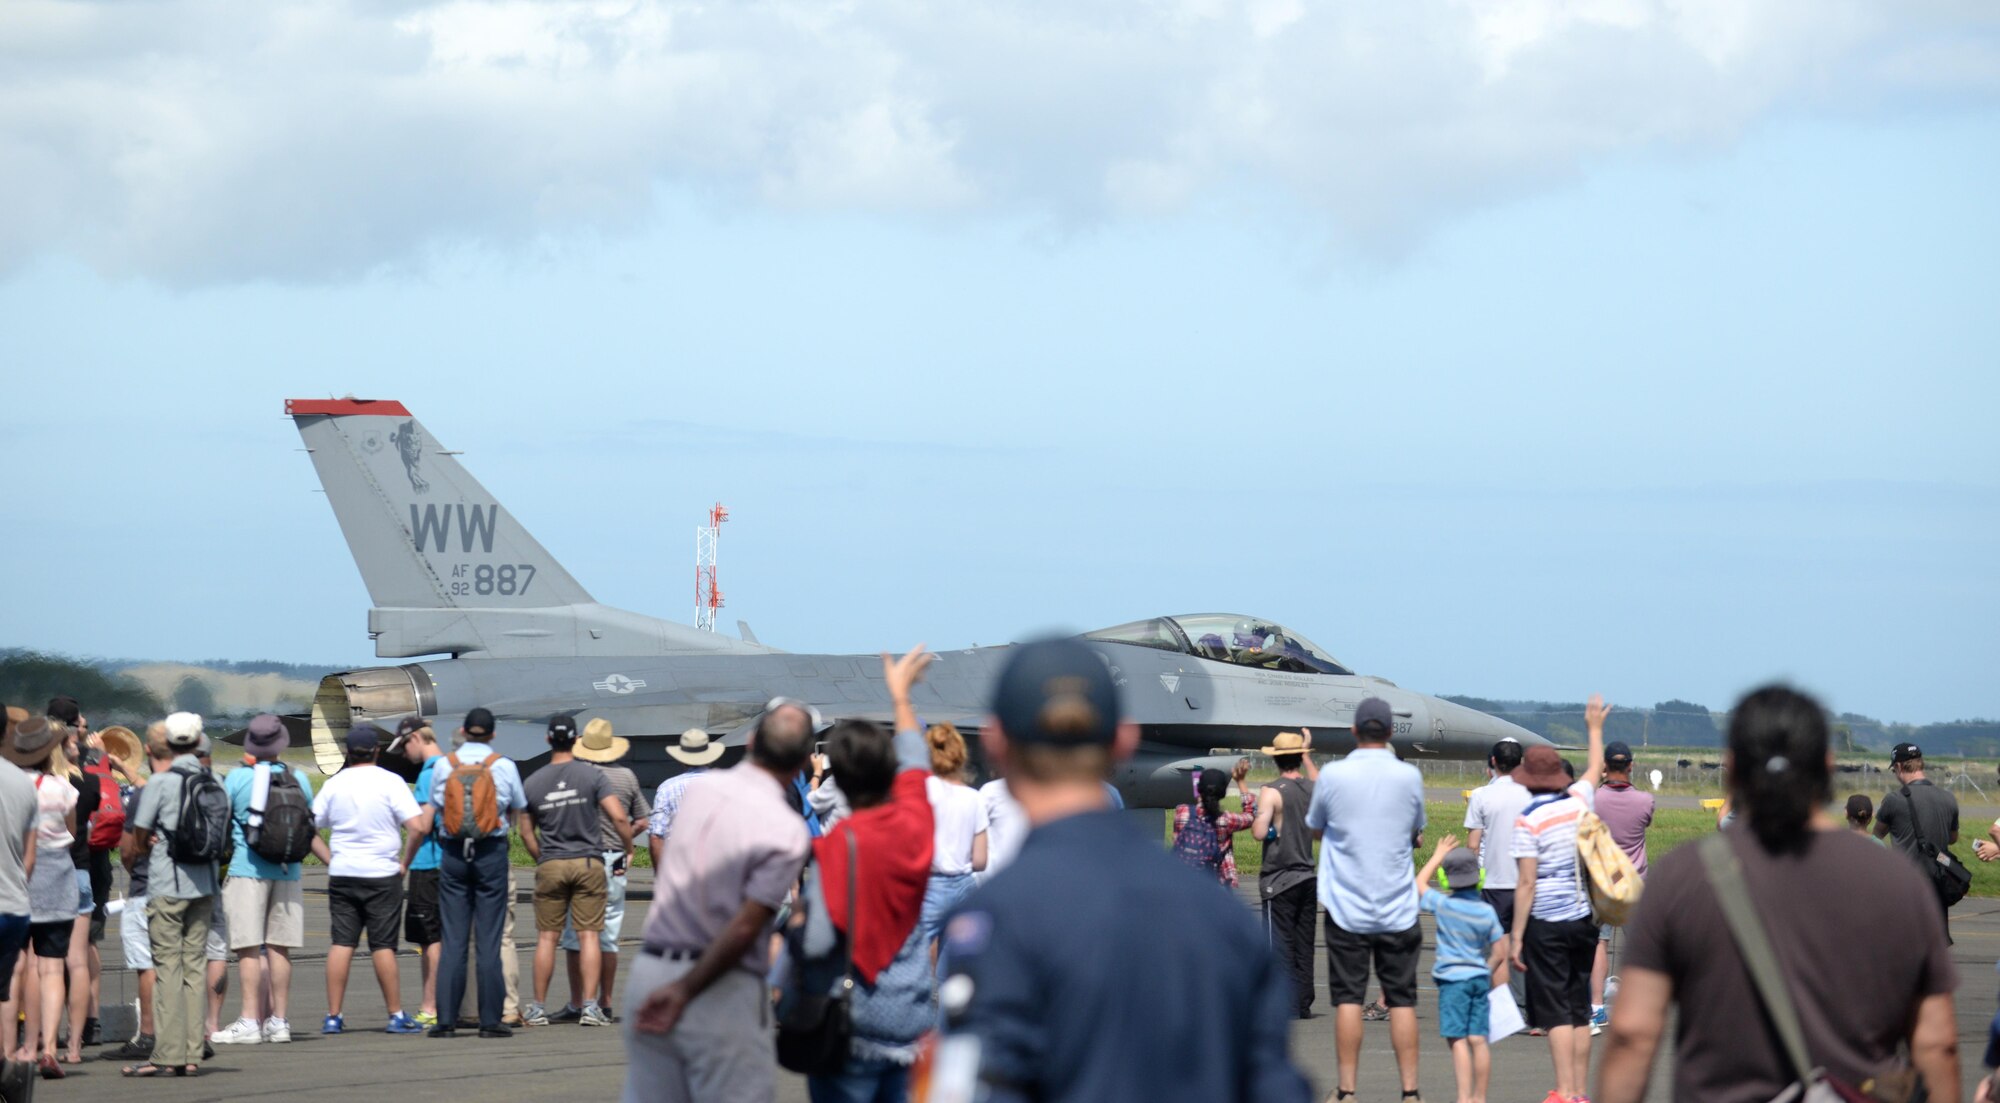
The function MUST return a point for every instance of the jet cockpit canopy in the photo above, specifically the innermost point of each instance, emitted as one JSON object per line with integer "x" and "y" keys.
{"x": 1227, "y": 638}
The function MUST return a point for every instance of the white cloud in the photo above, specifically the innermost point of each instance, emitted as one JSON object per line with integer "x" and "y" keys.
{"x": 196, "y": 141}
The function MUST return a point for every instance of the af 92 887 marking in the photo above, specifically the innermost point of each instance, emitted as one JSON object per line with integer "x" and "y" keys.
{"x": 486, "y": 580}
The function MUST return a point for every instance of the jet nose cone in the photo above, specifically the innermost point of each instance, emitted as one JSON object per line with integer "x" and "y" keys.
{"x": 1473, "y": 730}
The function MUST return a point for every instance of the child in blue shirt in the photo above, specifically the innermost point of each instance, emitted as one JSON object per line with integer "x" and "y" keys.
{"x": 1471, "y": 960}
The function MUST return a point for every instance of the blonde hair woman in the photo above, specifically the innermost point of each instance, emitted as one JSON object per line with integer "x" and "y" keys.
{"x": 958, "y": 842}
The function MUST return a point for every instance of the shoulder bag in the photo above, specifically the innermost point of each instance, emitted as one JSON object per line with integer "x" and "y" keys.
{"x": 815, "y": 1031}
{"x": 1945, "y": 872}
{"x": 1814, "y": 1084}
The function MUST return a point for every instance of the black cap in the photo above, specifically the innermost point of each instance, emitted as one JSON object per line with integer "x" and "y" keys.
{"x": 562, "y": 729}
{"x": 1617, "y": 751}
{"x": 1056, "y": 691}
{"x": 65, "y": 709}
{"x": 479, "y": 722}
{"x": 1374, "y": 717}
{"x": 364, "y": 737}
{"x": 1905, "y": 752}
{"x": 409, "y": 726}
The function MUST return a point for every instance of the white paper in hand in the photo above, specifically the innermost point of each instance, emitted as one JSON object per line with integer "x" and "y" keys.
{"x": 1503, "y": 1019}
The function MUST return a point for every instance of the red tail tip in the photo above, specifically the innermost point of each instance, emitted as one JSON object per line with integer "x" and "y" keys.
{"x": 338, "y": 407}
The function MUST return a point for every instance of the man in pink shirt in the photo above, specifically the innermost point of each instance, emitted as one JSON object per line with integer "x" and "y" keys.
{"x": 1627, "y": 812}
{"x": 701, "y": 1026}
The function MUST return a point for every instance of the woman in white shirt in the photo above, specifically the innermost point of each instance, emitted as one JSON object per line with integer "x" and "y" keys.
{"x": 959, "y": 836}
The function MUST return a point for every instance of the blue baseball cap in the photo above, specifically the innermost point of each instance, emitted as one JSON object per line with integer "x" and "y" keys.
{"x": 1056, "y": 692}
{"x": 364, "y": 737}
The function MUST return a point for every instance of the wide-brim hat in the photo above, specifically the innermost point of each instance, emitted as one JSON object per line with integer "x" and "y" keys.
{"x": 1541, "y": 770}
{"x": 695, "y": 748}
{"x": 266, "y": 736}
{"x": 598, "y": 744}
{"x": 34, "y": 739}
{"x": 120, "y": 743}
{"x": 1287, "y": 743}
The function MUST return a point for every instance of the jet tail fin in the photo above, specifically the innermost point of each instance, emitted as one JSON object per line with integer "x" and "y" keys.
{"x": 423, "y": 532}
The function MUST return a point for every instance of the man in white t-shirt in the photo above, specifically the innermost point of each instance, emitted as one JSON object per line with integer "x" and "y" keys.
{"x": 1489, "y": 825}
{"x": 367, "y": 809}
{"x": 1006, "y": 826}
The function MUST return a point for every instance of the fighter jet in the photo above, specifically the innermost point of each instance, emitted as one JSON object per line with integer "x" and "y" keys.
{"x": 456, "y": 579}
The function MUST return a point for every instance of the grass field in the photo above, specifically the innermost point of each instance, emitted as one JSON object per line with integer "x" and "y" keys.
{"x": 1672, "y": 827}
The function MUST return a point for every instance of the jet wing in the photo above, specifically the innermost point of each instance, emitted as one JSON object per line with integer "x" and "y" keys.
{"x": 968, "y": 722}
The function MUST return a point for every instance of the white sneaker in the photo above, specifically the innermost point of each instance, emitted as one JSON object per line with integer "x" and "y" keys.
{"x": 277, "y": 1030}
{"x": 242, "y": 1032}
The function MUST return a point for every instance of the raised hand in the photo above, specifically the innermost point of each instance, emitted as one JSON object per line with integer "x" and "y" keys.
{"x": 1595, "y": 712}
{"x": 904, "y": 673}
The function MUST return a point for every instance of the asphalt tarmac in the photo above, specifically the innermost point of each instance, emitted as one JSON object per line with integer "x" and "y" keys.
{"x": 576, "y": 1063}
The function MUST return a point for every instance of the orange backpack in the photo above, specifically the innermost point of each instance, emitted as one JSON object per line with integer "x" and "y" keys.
{"x": 471, "y": 801}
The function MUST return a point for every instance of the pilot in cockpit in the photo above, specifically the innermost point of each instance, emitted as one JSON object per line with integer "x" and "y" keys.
{"x": 1256, "y": 643}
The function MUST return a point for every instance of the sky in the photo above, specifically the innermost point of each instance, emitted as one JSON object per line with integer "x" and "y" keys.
{"x": 1522, "y": 349}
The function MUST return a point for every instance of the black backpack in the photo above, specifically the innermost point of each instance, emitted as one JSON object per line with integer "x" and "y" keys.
{"x": 203, "y": 833}
{"x": 284, "y": 832}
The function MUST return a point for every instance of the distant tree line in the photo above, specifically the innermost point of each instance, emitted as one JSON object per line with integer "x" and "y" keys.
{"x": 306, "y": 672}
{"x": 1686, "y": 724}
{"x": 29, "y": 678}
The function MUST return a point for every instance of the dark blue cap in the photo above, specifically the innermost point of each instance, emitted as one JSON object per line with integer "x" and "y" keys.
{"x": 1617, "y": 751}
{"x": 478, "y": 722}
{"x": 1373, "y": 717}
{"x": 364, "y": 737}
{"x": 1057, "y": 692}
{"x": 562, "y": 729}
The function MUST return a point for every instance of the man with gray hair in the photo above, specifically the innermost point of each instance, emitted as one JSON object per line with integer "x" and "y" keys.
{"x": 701, "y": 1028}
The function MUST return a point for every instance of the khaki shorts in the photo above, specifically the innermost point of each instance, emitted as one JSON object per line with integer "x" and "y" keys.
{"x": 264, "y": 913}
{"x": 570, "y": 889}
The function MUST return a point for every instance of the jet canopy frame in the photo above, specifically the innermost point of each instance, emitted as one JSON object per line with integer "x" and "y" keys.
{"x": 1231, "y": 638}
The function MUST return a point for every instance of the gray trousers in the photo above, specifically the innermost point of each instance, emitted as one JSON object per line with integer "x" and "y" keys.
{"x": 722, "y": 1051}
{"x": 178, "y": 930}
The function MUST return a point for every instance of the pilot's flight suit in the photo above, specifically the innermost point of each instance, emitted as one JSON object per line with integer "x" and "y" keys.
{"x": 1097, "y": 968}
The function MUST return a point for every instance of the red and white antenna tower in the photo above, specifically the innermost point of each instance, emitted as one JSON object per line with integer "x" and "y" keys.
{"x": 707, "y": 595}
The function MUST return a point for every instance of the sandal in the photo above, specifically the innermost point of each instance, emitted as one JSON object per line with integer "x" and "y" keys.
{"x": 50, "y": 1068}
{"x": 143, "y": 1072}
{"x": 188, "y": 1070}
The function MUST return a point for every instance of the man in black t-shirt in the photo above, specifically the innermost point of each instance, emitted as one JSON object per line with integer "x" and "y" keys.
{"x": 1917, "y": 811}
{"x": 561, "y": 831}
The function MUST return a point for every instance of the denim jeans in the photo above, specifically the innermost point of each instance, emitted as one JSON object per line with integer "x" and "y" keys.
{"x": 472, "y": 902}
{"x": 862, "y": 1082}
